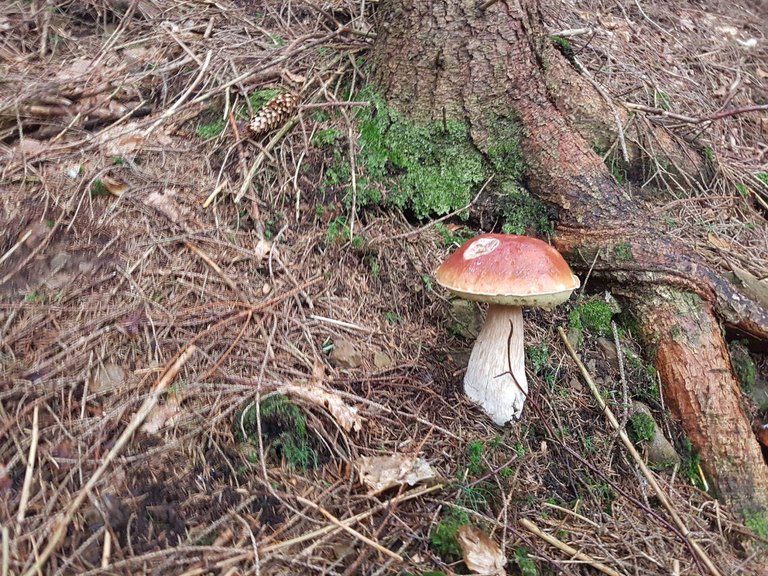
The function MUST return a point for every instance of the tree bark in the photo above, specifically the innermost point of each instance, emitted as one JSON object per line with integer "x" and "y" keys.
{"x": 436, "y": 58}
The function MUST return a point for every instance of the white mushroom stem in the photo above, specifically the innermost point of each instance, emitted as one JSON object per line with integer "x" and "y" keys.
{"x": 498, "y": 351}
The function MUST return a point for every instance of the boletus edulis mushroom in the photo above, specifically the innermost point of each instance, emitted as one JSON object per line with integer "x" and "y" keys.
{"x": 509, "y": 272}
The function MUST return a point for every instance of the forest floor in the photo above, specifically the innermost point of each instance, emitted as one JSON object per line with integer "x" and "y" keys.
{"x": 225, "y": 353}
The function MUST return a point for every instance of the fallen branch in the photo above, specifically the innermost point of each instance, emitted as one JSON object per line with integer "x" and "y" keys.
{"x": 154, "y": 396}
{"x": 692, "y": 120}
{"x": 638, "y": 459}
{"x": 531, "y": 527}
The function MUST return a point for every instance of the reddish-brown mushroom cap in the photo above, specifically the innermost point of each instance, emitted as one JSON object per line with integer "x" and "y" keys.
{"x": 509, "y": 270}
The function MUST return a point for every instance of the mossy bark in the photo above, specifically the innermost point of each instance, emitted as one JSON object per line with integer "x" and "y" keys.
{"x": 446, "y": 58}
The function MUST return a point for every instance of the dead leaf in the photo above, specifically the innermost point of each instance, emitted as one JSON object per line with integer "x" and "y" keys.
{"x": 346, "y": 416}
{"x": 114, "y": 186}
{"x": 262, "y": 249}
{"x": 383, "y": 472}
{"x": 295, "y": 78}
{"x": 481, "y": 554}
{"x": 754, "y": 288}
{"x": 121, "y": 140}
{"x": 165, "y": 204}
{"x": 161, "y": 415}
{"x": 106, "y": 377}
{"x": 30, "y": 146}
{"x": 718, "y": 242}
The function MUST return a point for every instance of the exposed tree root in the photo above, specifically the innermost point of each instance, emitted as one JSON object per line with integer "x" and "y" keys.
{"x": 481, "y": 66}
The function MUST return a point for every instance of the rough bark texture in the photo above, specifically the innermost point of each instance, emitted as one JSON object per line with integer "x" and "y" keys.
{"x": 447, "y": 57}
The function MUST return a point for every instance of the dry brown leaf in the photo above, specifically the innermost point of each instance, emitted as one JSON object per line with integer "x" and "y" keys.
{"x": 481, "y": 553}
{"x": 262, "y": 249}
{"x": 346, "y": 416}
{"x": 165, "y": 204}
{"x": 295, "y": 78}
{"x": 718, "y": 242}
{"x": 161, "y": 416}
{"x": 383, "y": 472}
{"x": 30, "y": 146}
{"x": 124, "y": 139}
{"x": 754, "y": 288}
{"x": 106, "y": 377}
{"x": 6, "y": 482}
{"x": 114, "y": 186}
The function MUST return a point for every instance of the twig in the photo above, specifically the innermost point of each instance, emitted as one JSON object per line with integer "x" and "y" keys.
{"x": 352, "y": 531}
{"x": 485, "y": 5}
{"x": 287, "y": 127}
{"x": 342, "y": 324}
{"x": 570, "y": 32}
{"x": 691, "y": 120}
{"x": 6, "y": 551}
{"x": 595, "y": 525}
{"x": 531, "y": 527}
{"x": 64, "y": 520}
{"x": 622, "y": 376}
{"x": 348, "y": 521}
{"x": 182, "y": 98}
{"x": 638, "y": 459}
{"x": 30, "y": 469}
{"x": 13, "y": 248}
{"x": 208, "y": 260}
{"x": 353, "y": 173}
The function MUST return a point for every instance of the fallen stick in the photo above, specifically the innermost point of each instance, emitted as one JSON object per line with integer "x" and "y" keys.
{"x": 154, "y": 396}
{"x": 638, "y": 459}
{"x": 531, "y": 527}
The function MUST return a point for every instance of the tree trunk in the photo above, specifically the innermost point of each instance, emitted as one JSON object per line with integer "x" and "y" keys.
{"x": 446, "y": 58}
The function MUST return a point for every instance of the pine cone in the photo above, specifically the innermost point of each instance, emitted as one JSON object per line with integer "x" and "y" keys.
{"x": 274, "y": 113}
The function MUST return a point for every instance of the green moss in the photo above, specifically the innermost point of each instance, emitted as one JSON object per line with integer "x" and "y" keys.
{"x": 642, "y": 428}
{"x": 623, "y": 252}
{"x": 538, "y": 356}
{"x": 743, "y": 364}
{"x": 504, "y": 152}
{"x": 593, "y": 315}
{"x": 451, "y": 238}
{"x": 326, "y": 137}
{"x": 691, "y": 467}
{"x": 431, "y": 169}
{"x": 617, "y": 170}
{"x": 757, "y": 521}
{"x": 284, "y": 429}
{"x": 763, "y": 178}
{"x": 443, "y": 537}
{"x": 526, "y": 565}
{"x": 475, "y": 451}
{"x": 261, "y": 97}
{"x": 338, "y": 231}
{"x": 98, "y": 189}
{"x": 210, "y": 130}
{"x": 522, "y": 212}
{"x": 662, "y": 100}
{"x": 564, "y": 47}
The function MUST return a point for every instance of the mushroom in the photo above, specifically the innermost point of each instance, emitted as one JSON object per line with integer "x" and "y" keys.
{"x": 508, "y": 272}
